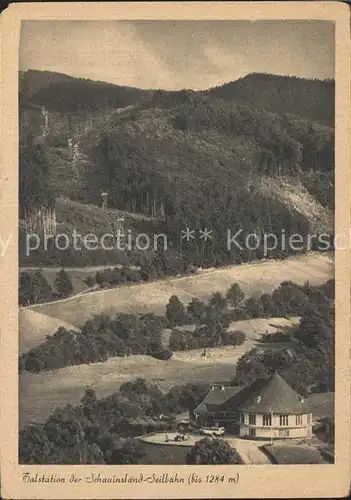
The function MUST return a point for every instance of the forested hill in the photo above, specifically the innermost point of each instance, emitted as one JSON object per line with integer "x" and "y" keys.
{"x": 63, "y": 93}
{"x": 188, "y": 158}
{"x": 311, "y": 99}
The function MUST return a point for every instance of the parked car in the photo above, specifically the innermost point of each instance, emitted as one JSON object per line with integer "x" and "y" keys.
{"x": 167, "y": 418}
{"x": 181, "y": 437}
{"x": 212, "y": 431}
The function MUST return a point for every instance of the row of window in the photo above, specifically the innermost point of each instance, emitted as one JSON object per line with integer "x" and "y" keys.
{"x": 267, "y": 419}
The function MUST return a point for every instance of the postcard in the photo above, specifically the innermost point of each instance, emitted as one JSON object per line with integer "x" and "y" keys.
{"x": 175, "y": 250}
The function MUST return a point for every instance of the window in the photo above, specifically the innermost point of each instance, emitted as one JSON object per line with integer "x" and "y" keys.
{"x": 283, "y": 419}
{"x": 283, "y": 433}
{"x": 252, "y": 432}
{"x": 267, "y": 420}
{"x": 298, "y": 419}
{"x": 252, "y": 418}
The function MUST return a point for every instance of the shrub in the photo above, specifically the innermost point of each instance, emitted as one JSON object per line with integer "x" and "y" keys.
{"x": 63, "y": 284}
{"x": 175, "y": 312}
{"x": 90, "y": 281}
{"x": 238, "y": 337}
{"x": 276, "y": 337}
{"x": 254, "y": 307}
{"x": 163, "y": 353}
{"x": 209, "y": 451}
{"x": 197, "y": 310}
{"x": 235, "y": 295}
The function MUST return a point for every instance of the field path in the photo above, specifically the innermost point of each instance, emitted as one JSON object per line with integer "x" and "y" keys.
{"x": 254, "y": 278}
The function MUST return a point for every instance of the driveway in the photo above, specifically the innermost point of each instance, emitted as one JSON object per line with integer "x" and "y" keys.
{"x": 248, "y": 449}
{"x": 250, "y": 452}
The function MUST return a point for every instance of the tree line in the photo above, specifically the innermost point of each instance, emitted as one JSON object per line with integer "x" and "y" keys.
{"x": 99, "y": 339}
{"x": 127, "y": 334}
{"x": 101, "y": 431}
{"x": 308, "y": 364}
{"x": 34, "y": 287}
{"x": 308, "y": 98}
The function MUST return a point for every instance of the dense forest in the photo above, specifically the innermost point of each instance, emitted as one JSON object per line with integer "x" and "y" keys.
{"x": 311, "y": 99}
{"x": 35, "y": 187}
{"x": 186, "y": 159}
{"x": 59, "y": 92}
{"x": 194, "y": 159}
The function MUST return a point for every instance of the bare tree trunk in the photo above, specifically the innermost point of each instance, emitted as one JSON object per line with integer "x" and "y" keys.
{"x": 147, "y": 203}
{"x": 154, "y": 208}
{"x": 162, "y": 210}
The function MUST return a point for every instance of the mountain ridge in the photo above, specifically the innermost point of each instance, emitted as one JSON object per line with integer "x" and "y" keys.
{"x": 192, "y": 159}
{"x": 48, "y": 88}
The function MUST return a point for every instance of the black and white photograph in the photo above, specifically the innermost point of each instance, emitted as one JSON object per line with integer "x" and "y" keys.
{"x": 176, "y": 283}
{"x": 177, "y": 240}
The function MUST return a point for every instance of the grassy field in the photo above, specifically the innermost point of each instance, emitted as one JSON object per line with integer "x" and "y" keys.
{"x": 41, "y": 393}
{"x": 293, "y": 454}
{"x": 254, "y": 279}
{"x": 35, "y": 326}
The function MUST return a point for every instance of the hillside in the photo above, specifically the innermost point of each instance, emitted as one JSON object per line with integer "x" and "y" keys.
{"x": 254, "y": 279}
{"x": 311, "y": 99}
{"x": 86, "y": 219}
{"x": 42, "y": 392}
{"x": 34, "y": 327}
{"x": 63, "y": 93}
{"x": 192, "y": 159}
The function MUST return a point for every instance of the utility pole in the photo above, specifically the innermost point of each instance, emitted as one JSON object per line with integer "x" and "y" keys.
{"x": 104, "y": 200}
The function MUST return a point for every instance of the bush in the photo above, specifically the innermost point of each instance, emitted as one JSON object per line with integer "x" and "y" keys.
{"x": 90, "y": 281}
{"x": 63, "y": 284}
{"x": 175, "y": 312}
{"x": 129, "y": 453}
{"x": 196, "y": 310}
{"x": 210, "y": 451}
{"x": 238, "y": 337}
{"x": 254, "y": 307}
{"x": 164, "y": 353}
{"x": 235, "y": 295}
{"x": 276, "y": 337}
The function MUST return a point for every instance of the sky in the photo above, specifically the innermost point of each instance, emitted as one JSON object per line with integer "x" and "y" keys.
{"x": 178, "y": 54}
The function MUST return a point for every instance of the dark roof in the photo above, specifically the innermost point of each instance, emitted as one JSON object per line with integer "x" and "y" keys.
{"x": 217, "y": 396}
{"x": 267, "y": 395}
